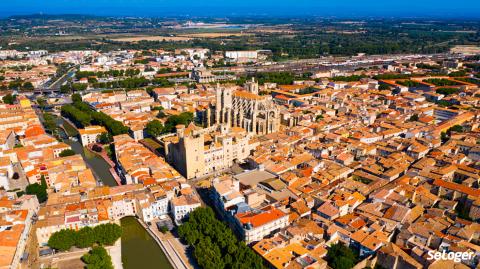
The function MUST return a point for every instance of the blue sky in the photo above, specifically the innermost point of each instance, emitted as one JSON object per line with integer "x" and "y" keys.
{"x": 339, "y": 8}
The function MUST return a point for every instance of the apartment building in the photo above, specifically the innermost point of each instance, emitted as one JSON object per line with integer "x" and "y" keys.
{"x": 256, "y": 225}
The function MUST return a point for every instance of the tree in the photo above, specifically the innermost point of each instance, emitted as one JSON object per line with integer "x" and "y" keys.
{"x": 42, "y": 103}
{"x": 383, "y": 87}
{"x": 28, "y": 86}
{"x": 49, "y": 122}
{"x": 163, "y": 229}
{"x": 105, "y": 138}
{"x": 447, "y": 91}
{"x": 107, "y": 234}
{"x": 456, "y": 128}
{"x": 81, "y": 114}
{"x": 340, "y": 256}
{"x": 414, "y": 117}
{"x": 9, "y": 99}
{"x": 443, "y": 103}
{"x": 66, "y": 153}
{"x": 103, "y": 234}
{"x": 440, "y": 82}
{"x": 62, "y": 240}
{"x": 78, "y": 117}
{"x": 342, "y": 263}
{"x": 158, "y": 108}
{"x": 85, "y": 237}
{"x": 98, "y": 258}
{"x": 76, "y": 98}
{"x": 154, "y": 128}
{"x": 184, "y": 118}
{"x": 443, "y": 137}
{"x": 65, "y": 88}
{"x": 38, "y": 190}
{"x": 215, "y": 245}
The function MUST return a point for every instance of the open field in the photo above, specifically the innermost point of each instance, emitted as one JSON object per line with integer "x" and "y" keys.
{"x": 151, "y": 38}
{"x": 182, "y": 37}
{"x": 213, "y": 35}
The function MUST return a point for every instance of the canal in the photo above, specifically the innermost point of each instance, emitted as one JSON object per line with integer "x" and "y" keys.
{"x": 139, "y": 249}
{"x": 98, "y": 165}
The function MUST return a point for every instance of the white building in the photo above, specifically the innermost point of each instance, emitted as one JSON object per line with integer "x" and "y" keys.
{"x": 242, "y": 56}
{"x": 6, "y": 172}
{"x": 90, "y": 134}
{"x": 183, "y": 205}
{"x": 255, "y": 225}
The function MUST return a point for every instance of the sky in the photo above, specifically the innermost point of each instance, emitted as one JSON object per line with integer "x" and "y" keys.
{"x": 224, "y": 8}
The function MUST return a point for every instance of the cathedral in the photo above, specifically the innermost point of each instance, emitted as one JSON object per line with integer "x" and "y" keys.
{"x": 246, "y": 109}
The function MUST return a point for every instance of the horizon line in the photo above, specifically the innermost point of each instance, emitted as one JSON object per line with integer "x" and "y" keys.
{"x": 166, "y": 15}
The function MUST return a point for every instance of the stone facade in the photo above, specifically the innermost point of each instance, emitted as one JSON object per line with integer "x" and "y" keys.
{"x": 246, "y": 109}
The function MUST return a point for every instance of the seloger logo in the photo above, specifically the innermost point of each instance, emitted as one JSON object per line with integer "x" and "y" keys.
{"x": 455, "y": 256}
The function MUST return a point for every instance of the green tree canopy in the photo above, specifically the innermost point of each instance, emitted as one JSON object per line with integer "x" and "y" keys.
{"x": 62, "y": 240}
{"x": 49, "y": 123}
{"x": 76, "y": 98}
{"x": 9, "y": 99}
{"x": 27, "y": 86}
{"x": 103, "y": 234}
{"x": 447, "y": 91}
{"x": 66, "y": 153}
{"x": 154, "y": 128}
{"x": 85, "y": 237}
{"x": 105, "y": 138}
{"x": 98, "y": 258}
{"x": 39, "y": 190}
{"x": 215, "y": 245}
{"x": 107, "y": 234}
{"x": 42, "y": 103}
{"x": 340, "y": 256}
{"x": 184, "y": 118}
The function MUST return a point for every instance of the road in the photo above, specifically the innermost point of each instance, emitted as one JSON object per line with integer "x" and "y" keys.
{"x": 58, "y": 83}
{"x": 55, "y": 86}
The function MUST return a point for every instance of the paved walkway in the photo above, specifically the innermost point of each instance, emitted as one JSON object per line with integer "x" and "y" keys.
{"x": 116, "y": 254}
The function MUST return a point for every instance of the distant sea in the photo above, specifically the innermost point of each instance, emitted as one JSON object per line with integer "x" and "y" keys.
{"x": 239, "y": 8}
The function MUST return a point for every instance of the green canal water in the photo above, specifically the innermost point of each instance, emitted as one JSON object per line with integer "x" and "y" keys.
{"x": 139, "y": 249}
{"x": 99, "y": 166}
